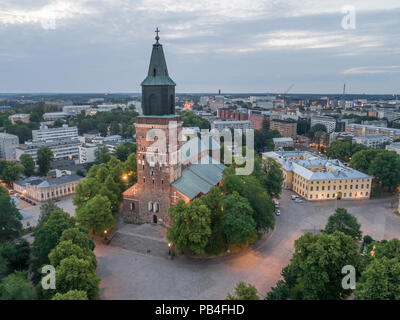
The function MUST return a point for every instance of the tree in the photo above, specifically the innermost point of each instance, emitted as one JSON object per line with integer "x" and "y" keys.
{"x": 239, "y": 224}
{"x": 317, "y": 263}
{"x": 115, "y": 128}
{"x": 71, "y": 295}
{"x": 11, "y": 172}
{"x": 47, "y": 237}
{"x": 270, "y": 175}
{"x": 17, "y": 254}
{"x": 96, "y": 215}
{"x": 44, "y": 159}
{"x": 102, "y": 155}
{"x": 86, "y": 189}
{"x": 213, "y": 201}
{"x": 78, "y": 237}
{"x": 16, "y": 287}
{"x": 380, "y": 280}
{"x": 130, "y": 166}
{"x": 340, "y": 150}
{"x": 244, "y": 291}
{"x": 28, "y": 163}
{"x": 75, "y": 274}
{"x": 344, "y": 222}
{"x": 123, "y": 151}
{"x": 280, "y": 292}
{"x": 191, "y": 226}
{"x": 67, "y": 248}
{"x": 45, "y": 211}
{"x": 250, "y": 188}
{"x": 385, "y": 167}
{"x": 362, "y": 160}
{"x": 10, "y": 219}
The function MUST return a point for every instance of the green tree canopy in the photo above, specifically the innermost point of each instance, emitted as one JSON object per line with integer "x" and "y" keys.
{"x": 123, "y": 151}
{"x": 270, "y": 175}
{"x": 238, "y": 224}
{"x": 344, "y": 222}
{"x": 71, "y": 295}
{"x": 385, "y": 167}
{"x": 10, "y": 219}
{"x": 44, "y": 158}
{"x": 244, "y": 291}
{"x": 12, "y": 172}
{"x": 96, "y": 215}
{"x": 28, "y": 163}
{"x": 16, "y": 254}
{"x": 191, "y": 226}
{"x": 362, "y": 160}
{"x": 317, "y": 263}
{"x": 75, "y": 274}
{"x": 16, "y": 287}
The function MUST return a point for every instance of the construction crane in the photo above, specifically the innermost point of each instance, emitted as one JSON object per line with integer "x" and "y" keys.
{"x": 283, "y": 95}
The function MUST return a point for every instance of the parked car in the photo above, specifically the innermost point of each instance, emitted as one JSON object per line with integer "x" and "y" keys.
{"x": 278, "y": 212}
{"x": 298, "y": 200}
{"x": 56, "y": 200}
{"x": 22, "y": 198}
{"x": 294, "y": 197}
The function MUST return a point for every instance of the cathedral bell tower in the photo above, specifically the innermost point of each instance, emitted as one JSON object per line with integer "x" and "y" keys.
{"x": 158, "y": 134}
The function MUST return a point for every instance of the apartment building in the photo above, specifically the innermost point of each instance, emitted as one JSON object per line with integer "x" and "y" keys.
{"x": 55, "y": 133}
{"x": 63, "y": 149}
{"x": 360, "y": 130}
{"x": 287, "y": 128}
{"x": 328, "y": 122}
{"x": 372, "y": 140}
{"x": 8, "y": 145}
{"x": 221, "y": 125}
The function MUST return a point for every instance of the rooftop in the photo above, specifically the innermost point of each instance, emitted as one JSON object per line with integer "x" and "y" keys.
{"x": 41, "y": 182}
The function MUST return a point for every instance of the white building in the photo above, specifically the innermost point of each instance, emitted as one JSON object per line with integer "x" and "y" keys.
{"x": 372, "y": 140}
{"x": 63, "y": 149}
{"x": 281, "y": 143}
{"x": 52, "y": 116}
{"x": 87, "y": 153}
{"x": 221, "y": 125}
{"x": 76, "y": 110}
{"x": 395, "y": 146}
{"x": 55, "y": 133}
{"x": 8, "y": 145}
{"x": 328, "y": 122}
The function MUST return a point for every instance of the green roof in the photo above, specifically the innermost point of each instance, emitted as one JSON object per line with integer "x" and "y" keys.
{"x": 158, "y": 71}
{"x": 199, "y": 178}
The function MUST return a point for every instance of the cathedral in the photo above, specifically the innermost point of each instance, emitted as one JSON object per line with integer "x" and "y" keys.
{"x": 168, "y": 169}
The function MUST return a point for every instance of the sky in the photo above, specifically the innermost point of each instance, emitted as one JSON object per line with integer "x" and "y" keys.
{"x": 238, "y": 46}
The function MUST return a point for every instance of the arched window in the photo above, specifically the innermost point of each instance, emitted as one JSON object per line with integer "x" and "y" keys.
{"x": 150, "y": 206}
{"x": 132, "y": 206}
{"x": 171, "y": 104}
{"x": 156, "y": 207}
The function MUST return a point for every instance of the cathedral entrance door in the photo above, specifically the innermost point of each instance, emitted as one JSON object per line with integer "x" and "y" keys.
{"x": 155, "y": 219}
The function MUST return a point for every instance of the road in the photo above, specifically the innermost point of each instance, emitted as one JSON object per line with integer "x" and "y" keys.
{"x": 131, "y": 275}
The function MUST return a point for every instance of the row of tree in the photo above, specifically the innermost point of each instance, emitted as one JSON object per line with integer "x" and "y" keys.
{"x": 315, "y": 270}
{"x": 383, "y": 165}
{"x": 236, "y": 212}
{"x": 99, "y": 195}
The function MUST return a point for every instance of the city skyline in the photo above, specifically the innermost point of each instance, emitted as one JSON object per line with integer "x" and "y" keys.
{"x": 81, "y": 46}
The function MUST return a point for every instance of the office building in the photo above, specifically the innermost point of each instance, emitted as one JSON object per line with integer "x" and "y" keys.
{"x": 372, "y": 140}
{"x": 55, "y": 133}
{"x": 287, "y": 128}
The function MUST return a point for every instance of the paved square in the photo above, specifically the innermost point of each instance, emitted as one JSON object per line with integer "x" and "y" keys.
{"x": 132, "y": 273}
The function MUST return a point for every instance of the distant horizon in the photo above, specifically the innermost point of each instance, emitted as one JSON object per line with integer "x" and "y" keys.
{"x": 198, "y": 93}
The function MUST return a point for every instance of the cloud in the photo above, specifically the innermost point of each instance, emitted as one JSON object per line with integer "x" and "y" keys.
{"x": 54, "y": 10}
{"x": 372, "y": 70}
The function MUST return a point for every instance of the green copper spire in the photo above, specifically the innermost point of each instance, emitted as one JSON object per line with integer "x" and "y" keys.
{"x": 158, "y": 71}
{"x": 158, "y": 89}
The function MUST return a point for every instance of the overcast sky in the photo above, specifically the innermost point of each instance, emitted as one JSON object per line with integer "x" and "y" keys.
{"x": 233, "y": 45}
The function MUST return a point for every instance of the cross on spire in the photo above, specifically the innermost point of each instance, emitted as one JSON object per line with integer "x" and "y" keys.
{"x": 157, "y": 32}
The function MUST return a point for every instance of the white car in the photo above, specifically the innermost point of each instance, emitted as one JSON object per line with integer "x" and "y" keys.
{"x": 278, "y": 212}
{"x": 294, "y": 197}
{"x": 298, "y": 200}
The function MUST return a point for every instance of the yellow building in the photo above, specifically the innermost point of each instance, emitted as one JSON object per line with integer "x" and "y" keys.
{"x": 316, "y": 178}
